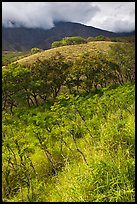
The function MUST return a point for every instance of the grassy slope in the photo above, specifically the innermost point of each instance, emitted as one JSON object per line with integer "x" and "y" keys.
{"x": 69, "y": 52}
{"x": 105, "y": 135}
{"x": 10, "y": 56}
{"x": 108, "y": 143}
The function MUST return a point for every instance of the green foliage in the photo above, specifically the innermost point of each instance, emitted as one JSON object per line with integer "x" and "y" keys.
{"x": 68, "y": 128}
{"x": 9, "y": 56}
{"x": 69, "y": 41}
{"x": 45, "y": 80}
{"x": 56, "y": 44}
{"x": 94, "y": 70}
{"x": 124, "y": 56}
{"x": 35, "y": 50}
{"x": 73, "y": 40}
{"x": 101, "y": 38}
{"x": 29, "y": 85}
{"x": 129, "y": 39}
{"x": 16, "y": 79}
{"x": 80, "y": 149}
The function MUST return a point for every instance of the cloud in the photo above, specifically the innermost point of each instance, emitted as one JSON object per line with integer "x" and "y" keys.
{"x": 115, "y": 16}
{"x": 43, "y": 14}
{"x": 123, "y": 25}
{"x": 112, "y": 16}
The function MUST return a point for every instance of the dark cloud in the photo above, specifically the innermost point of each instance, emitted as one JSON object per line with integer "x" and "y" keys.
{"x": 43, "y": 14}
{"x": 113, "y": 16}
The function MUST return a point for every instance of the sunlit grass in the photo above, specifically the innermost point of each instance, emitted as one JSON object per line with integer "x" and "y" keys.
{"x": 70, "y": 52}
{"x": 106, "y": 138}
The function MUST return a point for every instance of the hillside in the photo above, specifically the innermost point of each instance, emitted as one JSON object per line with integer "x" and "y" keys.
{"x": 81, "y": 149}
{"x": 69, "y": 125}
{"x": 23, "y": 39}
{"x": 11, "y": 56}
{"x": 70, "y": 52}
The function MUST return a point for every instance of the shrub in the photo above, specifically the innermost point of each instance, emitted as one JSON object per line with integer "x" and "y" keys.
{"x": 73, "y": 40}
{"x": 56, "y": 44}
{"x": 69, "y": 41}
{"x": 102, "y": 38}
{"x": 35, "y": 50}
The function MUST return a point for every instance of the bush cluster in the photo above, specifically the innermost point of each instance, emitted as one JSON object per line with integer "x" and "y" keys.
{"x": 69, "y": 41}
{"x": 74, "y": 40}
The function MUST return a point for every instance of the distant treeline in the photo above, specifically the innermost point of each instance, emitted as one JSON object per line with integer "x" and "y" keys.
{"x": 74, "y": 40}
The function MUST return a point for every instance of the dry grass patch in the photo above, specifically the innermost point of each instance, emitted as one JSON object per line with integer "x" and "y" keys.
{"x": 70, "y": 52}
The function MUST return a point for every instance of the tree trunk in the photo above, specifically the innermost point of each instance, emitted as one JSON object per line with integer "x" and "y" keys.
{"x": 31, "y": 101}
{"x": 36, "y": 101}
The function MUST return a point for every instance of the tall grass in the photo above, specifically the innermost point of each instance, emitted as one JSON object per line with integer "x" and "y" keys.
{"x": 81, "y": 149}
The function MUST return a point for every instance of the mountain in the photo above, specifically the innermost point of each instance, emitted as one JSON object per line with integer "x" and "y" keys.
{"x": 23, "y": 39}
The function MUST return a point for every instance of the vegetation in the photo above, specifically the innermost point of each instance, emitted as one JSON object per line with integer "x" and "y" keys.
{"x": 35, "y": 50}
{"x": 128, "y": 39}
{"x": 44, "y": 80}
{"x": 56, "y": 44}
{"x": 12, "y": 56}
{"x": 9, "y": 56}
{"x": 69, "y": 41}
{"x": 102, "y": 38}
{"x": 79, "y": 149}
{"x": 68, "y": 127}
{"x": 79, "y": 40}
{"x": 69, "y": 52}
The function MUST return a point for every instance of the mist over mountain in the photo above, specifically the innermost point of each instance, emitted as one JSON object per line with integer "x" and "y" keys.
{"x": 22, "y": 39}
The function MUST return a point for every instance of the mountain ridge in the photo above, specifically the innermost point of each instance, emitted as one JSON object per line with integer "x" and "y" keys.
{"x": 23, "y": 39}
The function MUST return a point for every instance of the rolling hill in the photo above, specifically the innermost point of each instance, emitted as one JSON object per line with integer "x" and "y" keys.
{"x": 69, "y": 131}
{"x": 23, "y": 39}
{"x": 69, "y": 52}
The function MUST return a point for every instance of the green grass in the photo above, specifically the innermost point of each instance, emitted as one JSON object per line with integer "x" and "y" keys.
{"x": 10, "y": 56}
{"x": 99, "y": 167}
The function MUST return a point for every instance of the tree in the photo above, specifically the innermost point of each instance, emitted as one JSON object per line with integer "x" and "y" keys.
{"x": 102, "y": 38}
{"x": 48, "y": 76}
{"x": 73, "y": 40}
{"x": 57, "y": 73}
{"x": 123, "y": 54}
{"x": 15, "y": 85}
{"x": 56, "y": 44}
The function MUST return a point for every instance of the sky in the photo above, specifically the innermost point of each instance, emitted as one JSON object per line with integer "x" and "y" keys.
{"x": 111, "y": 16}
